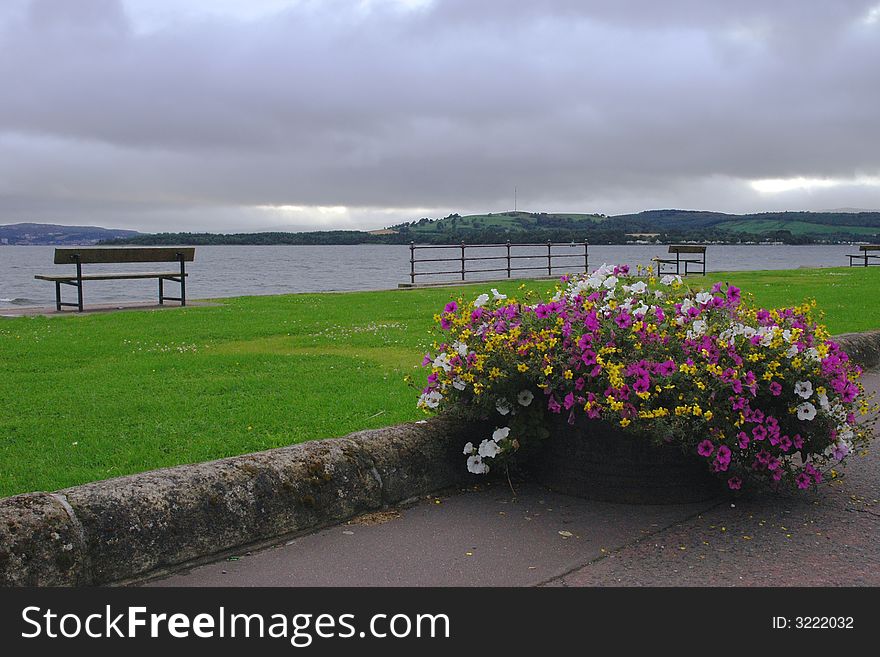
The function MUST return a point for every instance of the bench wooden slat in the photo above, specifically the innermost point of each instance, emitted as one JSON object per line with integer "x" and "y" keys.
{"x": 686, "y": 248}
{"x": 869, "y": 247}
{"x": 121, "y": 254}
{"x": 110, "y": 276}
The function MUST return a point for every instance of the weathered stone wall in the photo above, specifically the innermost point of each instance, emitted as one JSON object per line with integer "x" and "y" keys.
{"x": 122, "y": 529}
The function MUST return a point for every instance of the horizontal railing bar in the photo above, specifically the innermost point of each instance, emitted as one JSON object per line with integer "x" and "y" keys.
{"x": 504, "y": 257}
{"x": 487, "y": 246}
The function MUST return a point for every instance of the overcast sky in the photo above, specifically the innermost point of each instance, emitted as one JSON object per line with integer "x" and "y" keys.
{"x": 245, "y": 115}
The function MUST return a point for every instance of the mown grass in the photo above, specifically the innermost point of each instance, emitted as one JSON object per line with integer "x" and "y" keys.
{"x": 90, "y": 397}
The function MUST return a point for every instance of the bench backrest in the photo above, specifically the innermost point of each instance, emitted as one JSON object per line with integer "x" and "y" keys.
{"x": 870, "y": 247}
{"x": 686, "y": 248}
{"x": 64, "y": 256}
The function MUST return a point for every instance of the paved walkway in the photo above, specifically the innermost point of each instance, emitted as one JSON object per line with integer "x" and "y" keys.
{"x": 486, "y": 537}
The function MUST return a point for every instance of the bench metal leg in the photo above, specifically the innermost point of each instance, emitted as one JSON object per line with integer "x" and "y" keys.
{"x": 161, "y": 291}
{"x": 58, "y": 296}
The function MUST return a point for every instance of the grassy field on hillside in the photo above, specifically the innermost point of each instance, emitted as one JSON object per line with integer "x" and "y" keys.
{"x": 95, "y": 396}
{"x": 758, "y": 226}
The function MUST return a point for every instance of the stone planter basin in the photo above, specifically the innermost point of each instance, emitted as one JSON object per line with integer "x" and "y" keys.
{"x": 596, "y": 460}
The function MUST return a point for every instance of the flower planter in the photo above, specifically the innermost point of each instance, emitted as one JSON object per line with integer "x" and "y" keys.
{"x": 598, "y": 461}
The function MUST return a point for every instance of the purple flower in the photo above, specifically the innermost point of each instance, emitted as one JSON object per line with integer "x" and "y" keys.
{"x": 553, "y": 405}
{"x": 775, "y": 389}
{"x": 451, "y": 307}
{"x": 666, "y": 368}
{"x": 734, "y": 483}
{"x": 642, "y": 384}
{"x": 759, "y": 432}
{"x": 705, "y": 448}
{"x": 568, "y": 402}
{"x": 445, "y": 324}
{"x": 623, "y": 320}
{"x": 427, "y": 360}
{"x": 743, "y": 439}
{"x": 733, "y": 295}
{"x": 803, "y": 480}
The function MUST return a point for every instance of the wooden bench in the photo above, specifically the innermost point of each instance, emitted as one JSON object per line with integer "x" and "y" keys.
{"x": 119, "y": 255}
{"x": 866, "y": 258}
{"x": 681, "y": 263}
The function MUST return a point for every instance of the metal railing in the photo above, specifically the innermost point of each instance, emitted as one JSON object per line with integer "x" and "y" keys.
{"x": 509, "y": 259}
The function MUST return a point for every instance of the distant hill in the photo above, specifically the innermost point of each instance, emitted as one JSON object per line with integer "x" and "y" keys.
{"x": 55, "y": 235}
{"x": 661, "y": 225}
{"x": 649, "y": 226}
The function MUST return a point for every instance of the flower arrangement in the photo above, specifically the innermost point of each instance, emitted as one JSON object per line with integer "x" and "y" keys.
{"x": 756, "y": 393}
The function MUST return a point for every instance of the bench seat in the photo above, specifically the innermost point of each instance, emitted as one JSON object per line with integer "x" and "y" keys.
{"x": 111, "y": 276}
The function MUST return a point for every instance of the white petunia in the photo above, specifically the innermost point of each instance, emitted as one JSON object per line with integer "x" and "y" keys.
{"x": 638, "y": 288}
{"x": 502, "y": 406}
{"x": 792, "y": 351}
{"x": 669, "y": 279}
{"x": 500, "y": 434}
{"x": 498, "y": 296}
{"x": 442, "y": 361}
{"x": 430, "y": 399}
{"x": 803, "y": 389}
{"x": 697, "y": 329}
{"x": 475, "y": 465}
{"x": 468, "y": 449}
{"x": 481, "y": 300}
{"x": 488, "y": 449}
{"x": 461, "y": 348}
{"x": 823, "y": 401}
{"x": 458, "y": 384}
{"x": 525, "y": 397}
{"x": 806, "y": 411}
{"x": 704, "y": 298}
{"x": 610, "y": 282}
{"x": 642, "y": 310}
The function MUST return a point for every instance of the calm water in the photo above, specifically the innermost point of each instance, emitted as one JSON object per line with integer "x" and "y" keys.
{"x": 225, "y": 271}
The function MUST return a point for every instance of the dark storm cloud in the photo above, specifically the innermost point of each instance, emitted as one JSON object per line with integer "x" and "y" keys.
{"x": 586, "y": 105}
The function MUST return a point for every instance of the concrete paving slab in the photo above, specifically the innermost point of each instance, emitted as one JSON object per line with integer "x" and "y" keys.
{"x": 49, "y": 311}
{"x": 482, "y": 537}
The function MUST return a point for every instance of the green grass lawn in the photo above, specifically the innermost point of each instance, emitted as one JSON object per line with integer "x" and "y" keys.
{"x": 95, "y": 396}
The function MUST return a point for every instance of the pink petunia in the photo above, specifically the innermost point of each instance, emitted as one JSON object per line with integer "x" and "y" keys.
{"x": 734, "y": 483}
{"x": 705, "y": 448}
{"x": 775, "y": 389}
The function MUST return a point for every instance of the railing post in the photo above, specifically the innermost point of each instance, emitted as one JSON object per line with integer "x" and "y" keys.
{"x": 508, "y": 258}
{"x": 412, "y": 262}
{"x": 549, "y": 261}
{"x": 182, "y": 279}
{"x": 79, "y": 283}
{"x": 462, "y": 260}
{"x": 586, "y": 258}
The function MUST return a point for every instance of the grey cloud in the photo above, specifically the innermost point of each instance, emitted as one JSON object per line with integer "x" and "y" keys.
{"x": 590, "y": 105}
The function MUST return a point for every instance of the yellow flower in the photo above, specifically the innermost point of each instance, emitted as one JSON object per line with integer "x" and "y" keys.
{"x": 522, "y": 367}
{"x": 625, "y": 422}
{"x": 548, "y": 370}
{"x": 568, "y": 374}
